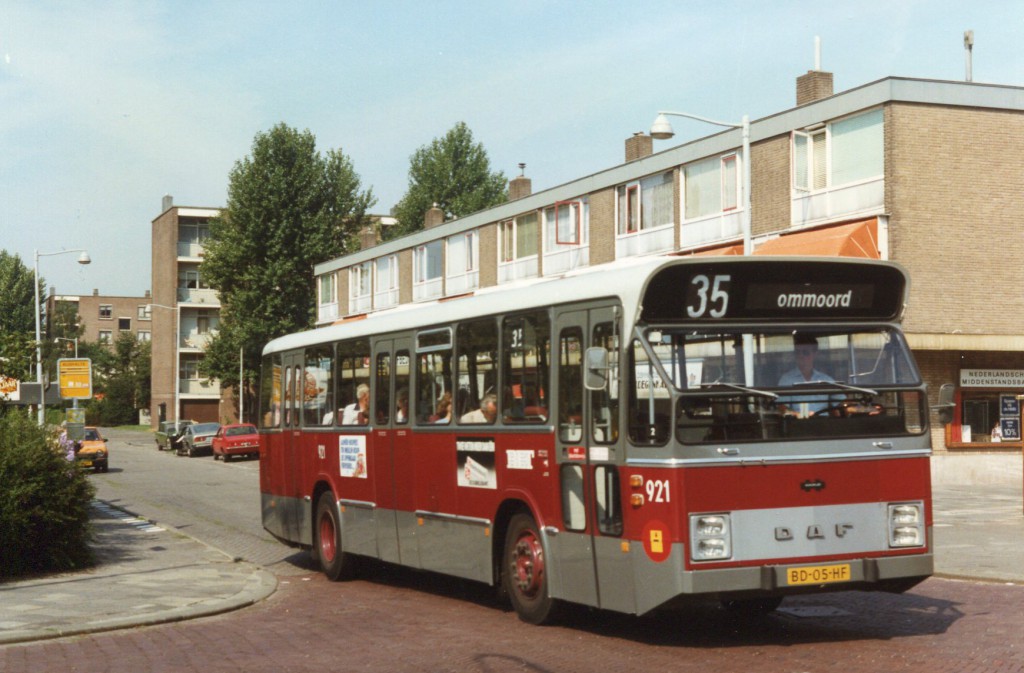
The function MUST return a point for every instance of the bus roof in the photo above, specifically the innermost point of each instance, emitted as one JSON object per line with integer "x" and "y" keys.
{"x": 625, "y": 280}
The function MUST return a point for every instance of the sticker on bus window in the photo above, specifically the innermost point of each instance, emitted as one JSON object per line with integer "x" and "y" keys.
{"x": 476, "y": 463}
{"x": 352, "y": 456}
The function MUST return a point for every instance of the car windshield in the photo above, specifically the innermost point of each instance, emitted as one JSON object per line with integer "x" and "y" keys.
{"x": 205, "y": 428}
{"x": 241, "y": 430}
{"x": 91, "y": 434}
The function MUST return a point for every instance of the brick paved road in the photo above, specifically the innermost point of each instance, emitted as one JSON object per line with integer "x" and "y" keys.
{"x": 392, "y": 619}
{"x": 403, "y": 621}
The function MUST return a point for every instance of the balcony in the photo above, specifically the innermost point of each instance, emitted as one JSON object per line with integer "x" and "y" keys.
{"x": 190, "y": 250}
{"x": 566, "y": 258}
{"x": 711, "y": 229}
{"x": 846, "y": 201}
{"x": 198, "y": 296}
{"x": 199, "y": 387}
{"x": 462, "y": 282}
{"x": 644, "y": 242}
{"x": 197, "y": 342}
{"x": 327, "y": 312}
{"x": 429, "y": 289}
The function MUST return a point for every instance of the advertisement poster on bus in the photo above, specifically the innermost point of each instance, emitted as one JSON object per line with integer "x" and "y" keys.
{"x": 476, "y": 463}
{"x": 352, "y": 456}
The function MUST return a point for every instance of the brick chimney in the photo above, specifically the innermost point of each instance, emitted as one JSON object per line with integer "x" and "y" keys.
{"x": 433, "y": 217}
{"x": 638, "y": 146}
{"x": 520, "y": 186}
{"x": 368, "y": 236}
{"x": 815, "y": 85}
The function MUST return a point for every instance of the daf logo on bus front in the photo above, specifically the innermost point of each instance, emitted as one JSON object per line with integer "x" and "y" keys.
{"x": 814, "y": 532}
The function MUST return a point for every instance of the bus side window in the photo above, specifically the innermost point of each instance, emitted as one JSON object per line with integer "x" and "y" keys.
{"x": 353, "y": 378}
{"x": 526, "y": 353}
{"x": 316, "y": 386}
{"x": 270, "y": 392}
{"x": 604, "y": 404}
{"x": 382, "y": 401}
{"x": 477, "y": 367}
{"x": 570, "y": 385}
{"x": 434, "y": 398}
{"x": 402, "y": 387}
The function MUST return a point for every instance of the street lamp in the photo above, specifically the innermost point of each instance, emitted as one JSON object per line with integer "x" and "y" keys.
{"x": 177, "y": 356}
{"x": 82, "y": 259}
{"x": 662, "y": 130}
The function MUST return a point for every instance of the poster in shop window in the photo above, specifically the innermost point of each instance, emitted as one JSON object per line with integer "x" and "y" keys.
{"x": 1010, "y": 428}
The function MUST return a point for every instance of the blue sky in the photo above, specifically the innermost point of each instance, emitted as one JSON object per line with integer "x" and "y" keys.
{"x": 107, "y": 106}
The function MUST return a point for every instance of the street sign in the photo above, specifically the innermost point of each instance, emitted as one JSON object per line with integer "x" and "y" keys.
{"x": 75, "y": 376}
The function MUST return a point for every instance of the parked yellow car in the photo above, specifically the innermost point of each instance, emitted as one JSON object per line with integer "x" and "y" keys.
{"x": 92, "y": 450}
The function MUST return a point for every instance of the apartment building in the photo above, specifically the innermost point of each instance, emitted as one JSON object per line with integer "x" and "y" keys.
{"x": 104, "y": 317}
{"x": 926, "y": 173}
{"x": 185, "y": 315}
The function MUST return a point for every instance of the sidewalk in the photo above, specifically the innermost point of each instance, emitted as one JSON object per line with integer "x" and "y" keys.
{"x": 149, "y": 575}
{"x": 145, "y": 575}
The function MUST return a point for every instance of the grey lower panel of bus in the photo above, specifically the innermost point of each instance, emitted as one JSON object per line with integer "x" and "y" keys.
{"x": 459, "y": 546}
{"x": 628, "y": 581}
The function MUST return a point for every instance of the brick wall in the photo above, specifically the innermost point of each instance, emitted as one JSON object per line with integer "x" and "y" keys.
{"x": 770, "y": 185}
{"x": 488, "y": 258}
{"x": 602, "y": 227}
{"x": 955, "y": 191}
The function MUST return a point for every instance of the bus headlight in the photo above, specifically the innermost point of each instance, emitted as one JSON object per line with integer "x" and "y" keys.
{"x": 906, "y": 524}
{"x": 710, "y": 537}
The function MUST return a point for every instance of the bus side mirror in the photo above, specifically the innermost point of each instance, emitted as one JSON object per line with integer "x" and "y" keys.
{"x": 595, "y": 377}
{"x": 944, "y": 409}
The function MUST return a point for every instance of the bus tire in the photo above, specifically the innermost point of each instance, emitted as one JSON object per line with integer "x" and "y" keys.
{"x": 336, "y": 564}
{"x": 524, "y": 572}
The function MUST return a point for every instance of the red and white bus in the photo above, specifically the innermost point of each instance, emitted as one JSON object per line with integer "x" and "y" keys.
{"x": 627, "y": 436}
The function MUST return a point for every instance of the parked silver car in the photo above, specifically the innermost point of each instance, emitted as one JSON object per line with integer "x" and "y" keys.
{"x": 198, "y": 439}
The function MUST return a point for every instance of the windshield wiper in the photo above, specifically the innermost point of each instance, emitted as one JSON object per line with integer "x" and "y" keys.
{"x": 843, "y": 386}
{"x": 742, "y": 389}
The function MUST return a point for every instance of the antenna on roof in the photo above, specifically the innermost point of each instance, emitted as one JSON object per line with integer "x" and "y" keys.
{"x": 968, "y": 48}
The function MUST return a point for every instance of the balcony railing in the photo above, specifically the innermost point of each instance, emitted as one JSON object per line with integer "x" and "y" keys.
{"x": 566, "y": 258}
{"x": 644, "y": 242}
{"x": 209, "y": 387}
{"x": 192, "y": 250}
{"x": 197, "y": 341}
{"x": 327, "y": 312}
{"x": 463, "y": 282}
{"x": 710, "y": 229}
{"x": 430, "y": 289}
{"x": 198, "y": 296}
{"x": 852, "y": 200}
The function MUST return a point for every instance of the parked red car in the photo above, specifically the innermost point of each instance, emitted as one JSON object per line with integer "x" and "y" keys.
{"x": 239, "y": 439}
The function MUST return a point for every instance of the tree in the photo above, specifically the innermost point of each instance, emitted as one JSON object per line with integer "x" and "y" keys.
{"x": 288, "y": 208}
{"x": 17, "y": 316}
{"x": 453, "y": 172}
{"x": 123, "y": 378}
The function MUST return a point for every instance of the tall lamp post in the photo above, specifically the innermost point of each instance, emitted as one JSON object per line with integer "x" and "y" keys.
{"x": 82, "y": 259}
{"x": 177, "y": 357}
{"x": 662, "y": 130}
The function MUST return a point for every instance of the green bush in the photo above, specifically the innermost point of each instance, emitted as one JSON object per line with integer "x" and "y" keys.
{"x": 44, "y": 502}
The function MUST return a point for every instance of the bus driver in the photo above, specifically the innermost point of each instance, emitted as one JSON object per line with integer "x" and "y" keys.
{"x": 805, "y": 349}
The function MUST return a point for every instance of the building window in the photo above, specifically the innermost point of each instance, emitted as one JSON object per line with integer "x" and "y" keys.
{"x": 360, "y": 282}
{"x": 328, "y": 290}
{"x": 711, "y": 186}
{"x": 461, "y": 261}
{"x": 204, "y": 321}
{"x": 145, "y": 312}
{"x": 645, "y": 204}
{"x": 144, "y": 335}
{"x": 106, "y": 336}
{"x": 427, "y": 262}
{"x": 189, "y": 370}
{"x": 565, "y": 236}
{"x": 189, "y": 279}
{"x": 106, "y": 312}
{"x": 519, "y": 238}
{"x": 843, "y": 152}
{"x": 124, "y": 324}
{"x": 385, "y": 282}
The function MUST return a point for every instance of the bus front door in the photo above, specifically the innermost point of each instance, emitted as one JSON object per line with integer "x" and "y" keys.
{"x": 590, "y": 566}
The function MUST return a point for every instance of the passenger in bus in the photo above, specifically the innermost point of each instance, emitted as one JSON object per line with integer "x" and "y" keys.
{"x": 358, "y": 413}
{"x": 443, "y": 411}
{"x": 805, "y": 350}
{"x": 487, "y": 412}
{"x": 402, "y": 405}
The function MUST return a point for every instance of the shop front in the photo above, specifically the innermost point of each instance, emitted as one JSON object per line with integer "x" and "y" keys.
{"x": 988, "y": 411}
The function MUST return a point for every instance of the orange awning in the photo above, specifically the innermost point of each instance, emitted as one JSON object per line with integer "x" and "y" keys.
{"x": 855, "y": 239}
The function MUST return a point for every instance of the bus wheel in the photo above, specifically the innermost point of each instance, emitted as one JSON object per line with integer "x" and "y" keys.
{"x": 525, "y": 574}
{"x": 334, "y": 562}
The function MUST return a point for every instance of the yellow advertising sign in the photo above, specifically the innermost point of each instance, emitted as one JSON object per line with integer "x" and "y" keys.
{"x": 75, "y": 376}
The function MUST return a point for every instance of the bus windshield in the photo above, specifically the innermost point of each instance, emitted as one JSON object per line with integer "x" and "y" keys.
{"x": 764, "y": 385}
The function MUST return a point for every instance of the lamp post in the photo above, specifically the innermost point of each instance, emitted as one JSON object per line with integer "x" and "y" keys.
{"x": 177, "y": 357}
{"x": 662, "y": 130}
{"x": 82, "y": 259}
